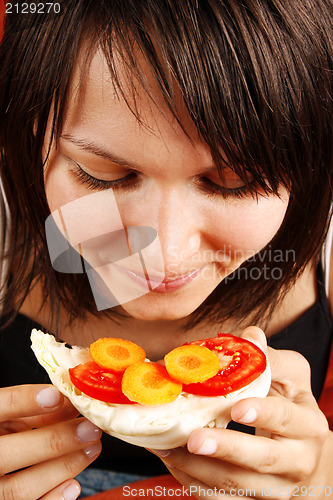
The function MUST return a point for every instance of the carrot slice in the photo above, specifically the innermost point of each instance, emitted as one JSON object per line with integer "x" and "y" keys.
{"x": 116, "y": 354}
{"x": 149, "y": 384}
{"x": 191, "y": 363}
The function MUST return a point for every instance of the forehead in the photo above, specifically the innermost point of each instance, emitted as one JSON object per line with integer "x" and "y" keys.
{"x": 97, "y": 111}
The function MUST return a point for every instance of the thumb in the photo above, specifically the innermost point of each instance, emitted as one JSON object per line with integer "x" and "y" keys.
{"x": 255, "y": 335}
{"x": 289, "y": 368}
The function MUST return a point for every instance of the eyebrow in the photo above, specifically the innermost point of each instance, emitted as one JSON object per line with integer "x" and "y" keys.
{"x": 97, "y": 150}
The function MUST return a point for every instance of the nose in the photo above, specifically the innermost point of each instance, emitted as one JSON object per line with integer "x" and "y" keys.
{"x": 178, "y": 226}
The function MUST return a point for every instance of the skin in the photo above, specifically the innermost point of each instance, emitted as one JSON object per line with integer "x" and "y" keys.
{"x": 297, "y": 447}
{"x": 53, "y": 453}
{"x": 219, "y": 234}
{"x": 290, "y": 455}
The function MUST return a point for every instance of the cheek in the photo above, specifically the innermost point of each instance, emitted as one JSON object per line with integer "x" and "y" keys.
{"x": 82, "y": 212}
{"x": 245, "y": 228}
{"x": 58, "y": 187}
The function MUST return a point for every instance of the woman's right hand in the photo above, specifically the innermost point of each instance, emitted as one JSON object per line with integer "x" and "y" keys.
{"x": 42, "y": 445}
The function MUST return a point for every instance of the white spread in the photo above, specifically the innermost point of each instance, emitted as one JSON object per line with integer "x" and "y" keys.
{"x": 157, "y": 426}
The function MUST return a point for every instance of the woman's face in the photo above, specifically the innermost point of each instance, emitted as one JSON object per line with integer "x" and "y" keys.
{"x": 152, "y": 175}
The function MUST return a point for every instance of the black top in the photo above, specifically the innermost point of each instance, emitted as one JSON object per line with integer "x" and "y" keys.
{"x": 310, "y": 335}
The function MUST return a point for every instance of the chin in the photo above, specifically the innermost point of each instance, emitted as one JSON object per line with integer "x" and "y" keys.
{"x": 147, "y": 308}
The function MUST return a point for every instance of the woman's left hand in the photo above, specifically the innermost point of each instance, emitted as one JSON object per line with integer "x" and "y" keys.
{"x": 291, "y": 455}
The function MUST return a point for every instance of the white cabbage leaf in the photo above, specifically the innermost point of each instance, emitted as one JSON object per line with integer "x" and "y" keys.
{"x": 157, "y": 426}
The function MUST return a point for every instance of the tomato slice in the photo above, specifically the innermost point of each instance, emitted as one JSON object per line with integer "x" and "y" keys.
{"x": 97, "y": 383}
{"x": 241, "y": 362}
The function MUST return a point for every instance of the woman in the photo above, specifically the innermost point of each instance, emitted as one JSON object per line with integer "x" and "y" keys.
{"x": 209, "y": 122}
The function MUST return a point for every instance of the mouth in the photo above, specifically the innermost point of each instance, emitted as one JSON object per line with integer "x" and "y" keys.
{"x": 169, "y": 284}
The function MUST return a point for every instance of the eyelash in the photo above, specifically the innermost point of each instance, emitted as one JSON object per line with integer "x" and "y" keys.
{"x": 92, "y": 183}
{"x": 214, "y": 189}
{"x": 131, "y": 180}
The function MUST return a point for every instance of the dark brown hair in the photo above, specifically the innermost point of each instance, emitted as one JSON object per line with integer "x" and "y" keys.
{"x": 256, "y": 78}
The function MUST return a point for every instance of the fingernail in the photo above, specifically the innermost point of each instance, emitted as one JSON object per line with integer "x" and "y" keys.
{"x": 71, "y": 492}
{"x": 49, "y": 397}
{"x": 92, "y": 451}
{"x": 161, "y": 453}
{"x": 208, "y": 447}
{"x": 86, "y": 431}
{"x": 249, "y": 417}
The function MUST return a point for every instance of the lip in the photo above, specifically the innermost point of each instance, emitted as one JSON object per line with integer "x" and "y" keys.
{"x": 168, "y": 284}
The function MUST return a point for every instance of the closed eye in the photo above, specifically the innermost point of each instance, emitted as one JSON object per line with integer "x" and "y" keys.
{"x": 210, "y": 187}
{"x": 130, "y": 180}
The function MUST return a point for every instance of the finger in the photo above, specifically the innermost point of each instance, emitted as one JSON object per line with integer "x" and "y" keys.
{"x": 291, "y": 373}
{"x": 28, "y": 400}
{"x": 296, "y": 420}
{"x": 65, "y": 412}
{"x": 36, "y": 481}
{"x": 12, "y": 426}
{"x": 31, "y": 447}
{"x": 290, "y": 370}
{"x": 258, "y": 454}
{"x": 255, "y": 334}
{"x": 70, "y": 490}
{"x": 201, "y": 490}
{"x": 215, "y": 474}
{"x": 191, "y": 486}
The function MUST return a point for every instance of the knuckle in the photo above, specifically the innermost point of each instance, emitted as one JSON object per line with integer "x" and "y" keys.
{"x": 280, "y": 495}
{"x": 55, "y": 443}
{"x": 13, "y": 489}
{"x": 74, "y": 463}
{"x": 303, "y": 471}
{"x": 11, "y": 400}
{"x": 319, "y": 431}
{"x": 299, "y": 379}
{"x": 309, "y": 466}
{"x": 283, "y": 493}
{"x": 323, "y": 429}
{"x": 307, "y": 471}
{"x": 3, "y": 461}
{"x": 228, "y": 484}
{"x": 298, "y": 360}
{"x": 284, "y": 418}
{"x": 302, "y": 363}
{"x": 70, "y": 467}
{"x": 268, "y": 463}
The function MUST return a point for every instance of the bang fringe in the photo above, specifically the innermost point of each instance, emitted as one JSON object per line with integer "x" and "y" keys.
{"x": 232, "y": 91}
